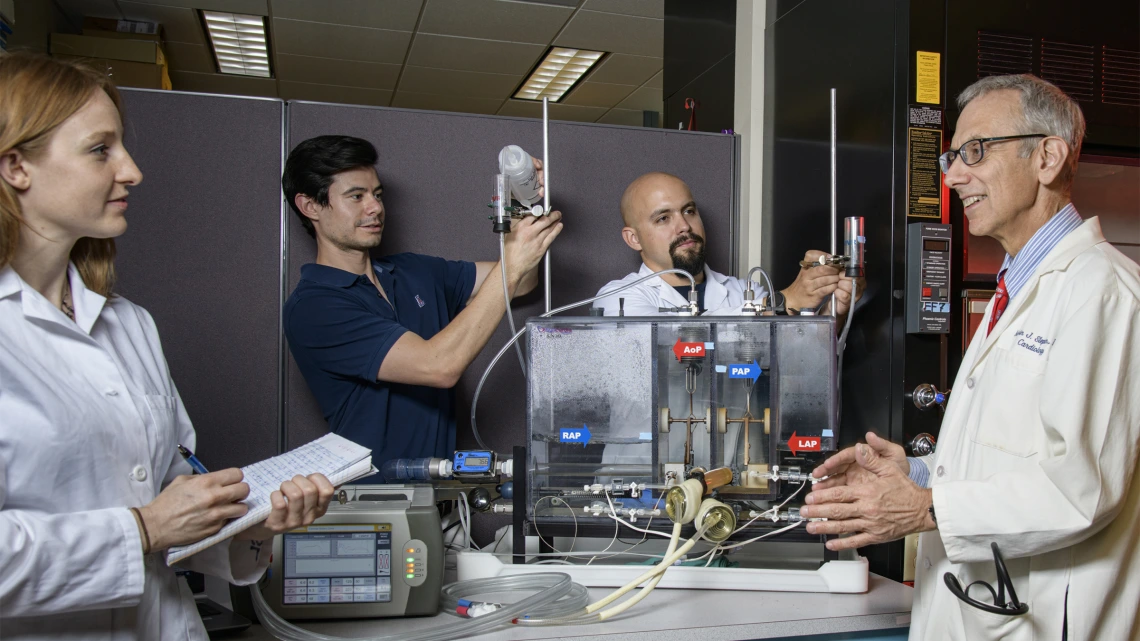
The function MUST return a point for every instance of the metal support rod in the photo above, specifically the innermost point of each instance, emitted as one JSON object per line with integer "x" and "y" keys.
{"x": 834, "y": 208}
{"x": 518, "y": 517}
{"x": 546, "y": 192}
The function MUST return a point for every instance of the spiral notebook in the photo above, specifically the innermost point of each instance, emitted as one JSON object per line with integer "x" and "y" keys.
{"x": 338, "y": 458}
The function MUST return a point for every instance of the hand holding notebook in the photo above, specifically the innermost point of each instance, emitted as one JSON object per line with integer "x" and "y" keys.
{"x": 339, "y": 459}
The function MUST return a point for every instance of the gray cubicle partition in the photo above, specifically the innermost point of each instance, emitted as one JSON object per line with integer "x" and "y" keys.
{"x": 437, "y": 171}
{"x": 209, "y": 254}
{"x": 202, "y": 253}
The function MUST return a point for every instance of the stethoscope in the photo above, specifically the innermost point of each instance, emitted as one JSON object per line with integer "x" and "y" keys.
{"x": 999, "y": 606}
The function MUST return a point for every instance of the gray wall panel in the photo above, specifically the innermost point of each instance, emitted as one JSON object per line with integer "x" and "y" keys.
{"x": 202, "y": 254}
{"x": 437, "y": 172}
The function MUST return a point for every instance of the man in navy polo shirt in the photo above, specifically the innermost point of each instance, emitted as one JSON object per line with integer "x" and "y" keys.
{"x": 382, "y": 342}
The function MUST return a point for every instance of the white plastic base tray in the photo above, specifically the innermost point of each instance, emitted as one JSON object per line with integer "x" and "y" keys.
{"x": 834, "y": 576}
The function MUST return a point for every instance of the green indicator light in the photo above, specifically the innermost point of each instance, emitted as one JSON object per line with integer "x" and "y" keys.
{"x": 410, "y": 559}
{"x": 411, "y": 576}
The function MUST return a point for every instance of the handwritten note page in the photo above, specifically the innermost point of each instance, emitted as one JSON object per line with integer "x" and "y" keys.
{"x": 338, "y": 458}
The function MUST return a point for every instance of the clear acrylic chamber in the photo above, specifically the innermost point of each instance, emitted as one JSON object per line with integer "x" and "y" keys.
{"x": 649, "y": 401}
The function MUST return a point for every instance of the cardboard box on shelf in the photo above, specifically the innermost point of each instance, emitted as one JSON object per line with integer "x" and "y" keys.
{"x": 122, "y": 29}
{"x": 127, "y": 50}
{"x": 127, "y": 74}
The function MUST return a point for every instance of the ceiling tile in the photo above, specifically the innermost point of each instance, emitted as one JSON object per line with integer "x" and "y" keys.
{"x": 597, "y": 94}
{"x": 339, "y": 41}
{"x": 334, "y": 93}
{"x": 252, "y": 7}
{"x": 624, "y": 69}
{"x": 93, "y": 8}
{"x": 399, "y": 15}
{"x": 459, "y": 83}
{"x": 614, "y": 33}
{"x": 646, "y": 98}
{"x": 219, "y": 83}
{"x": 628, "y": 117}
{"x": 655, "y": 82}
{"x": 184, "y": 56}
{"x": 644, "y": 8}
{"x": 331, "y": 71}
{"x": 411, "y": 100}
{"x": 528, "y": 109}
{"x": 178, "y": 25}
{"x": 470, "y": 54}
{"x": 513, "y": 21}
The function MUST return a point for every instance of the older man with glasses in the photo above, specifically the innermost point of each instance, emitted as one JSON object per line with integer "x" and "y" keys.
{"x": 1039, "y": 444}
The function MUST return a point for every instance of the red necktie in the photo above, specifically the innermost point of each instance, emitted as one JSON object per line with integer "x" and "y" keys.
{"x": 1001, "y": 299}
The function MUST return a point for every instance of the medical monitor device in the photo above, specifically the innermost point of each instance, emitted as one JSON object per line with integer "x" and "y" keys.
{"x": 378, "y": 556}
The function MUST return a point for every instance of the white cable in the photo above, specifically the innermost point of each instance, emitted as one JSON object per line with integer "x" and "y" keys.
{"x": 507, "y": 298}
{"x": 842, "y": 344}
{"x": 583, "y": 553}
{"x": 574, "y": 516}
{"x": 762, "y": 536}
{"x": 774, "y": 510}
{"x": 465, "y": 507}
{"x": 634, "y": 527}
{"x": 765, "y": 514}
{"x": 617, "y": 530}
{"x": 614, "y": 515}
{"x": 840, "y": 348}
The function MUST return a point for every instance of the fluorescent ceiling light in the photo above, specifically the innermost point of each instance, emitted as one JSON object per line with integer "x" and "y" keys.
{"x": 557, "y": 73}
{"x": 239, "y": 43}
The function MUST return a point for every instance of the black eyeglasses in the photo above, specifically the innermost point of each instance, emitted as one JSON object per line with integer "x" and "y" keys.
{"x": 972, "y": 151}
{"x": 999, "y": 606}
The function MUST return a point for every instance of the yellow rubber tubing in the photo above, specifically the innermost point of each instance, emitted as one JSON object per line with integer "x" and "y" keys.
{"x": 622, "y": 607}
{"x": 659, "y": 569}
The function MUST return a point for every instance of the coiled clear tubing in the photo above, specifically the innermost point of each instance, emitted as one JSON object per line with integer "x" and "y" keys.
{"x": 557, "y": 596}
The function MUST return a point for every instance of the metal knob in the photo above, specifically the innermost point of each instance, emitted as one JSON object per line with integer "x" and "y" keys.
{"x": 922, "y": 445}
{"x": 480, "y": 499}
{"x": 926, "y": 396}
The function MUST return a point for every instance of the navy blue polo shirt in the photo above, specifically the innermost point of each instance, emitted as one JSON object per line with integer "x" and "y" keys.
{"x": 340, "y": 329}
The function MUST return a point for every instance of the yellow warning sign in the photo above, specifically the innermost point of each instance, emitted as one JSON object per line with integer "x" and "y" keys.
{"x": 924, "y": 187}
{"x": 929, "y": 75}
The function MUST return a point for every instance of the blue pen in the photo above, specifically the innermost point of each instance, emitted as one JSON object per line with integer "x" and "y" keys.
{"x": 192, "y": 460}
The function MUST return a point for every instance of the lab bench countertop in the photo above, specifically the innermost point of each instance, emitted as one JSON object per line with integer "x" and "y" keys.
{"x": 714, "y": 615}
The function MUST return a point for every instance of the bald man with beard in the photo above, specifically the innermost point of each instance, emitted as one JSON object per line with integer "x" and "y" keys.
{"x": 662, "y": 223}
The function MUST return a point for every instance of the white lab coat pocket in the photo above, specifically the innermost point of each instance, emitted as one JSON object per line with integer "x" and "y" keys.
{"x": 162, "y": 412}
{"x": 980, "y": 625}
{"x": 1007, "y": 419}
{"x": 161, "y": 428}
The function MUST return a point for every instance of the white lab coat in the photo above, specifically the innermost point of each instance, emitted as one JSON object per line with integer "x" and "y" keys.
{"x": 1038, "y": 453}
{"x": 724, "y": 295}
{"x": 89, "y": 424}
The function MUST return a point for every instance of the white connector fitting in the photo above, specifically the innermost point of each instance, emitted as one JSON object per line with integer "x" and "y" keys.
{"x": 479, "y": 609}
{"x": 507, "y": 467}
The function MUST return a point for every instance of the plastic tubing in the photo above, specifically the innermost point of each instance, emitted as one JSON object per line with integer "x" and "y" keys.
{"x": 553, "y": 588}
{"x": 850, "y": 313}
{"x": 518, "y": 334}
{"x": 575, "y": 599}
{"x": 768, "y": 281}
{"x": 507, "y": 300}
{"x": 406, "y": 469}
{"x": 592, "y": 615}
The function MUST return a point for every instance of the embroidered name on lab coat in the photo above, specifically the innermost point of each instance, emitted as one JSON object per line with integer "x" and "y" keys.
{"x": 1032, "y": 342}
